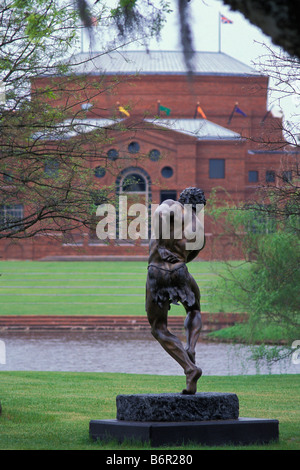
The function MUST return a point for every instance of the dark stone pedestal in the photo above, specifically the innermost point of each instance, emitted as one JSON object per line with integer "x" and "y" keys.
{"x": 177, "y": 407}
{"x": 175, "y": 419}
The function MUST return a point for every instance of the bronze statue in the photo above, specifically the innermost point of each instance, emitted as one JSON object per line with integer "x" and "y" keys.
{"x": 169, "y": 281}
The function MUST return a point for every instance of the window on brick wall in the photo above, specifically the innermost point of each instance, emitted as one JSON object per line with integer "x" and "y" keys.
{"x": 287, "y": 176}
{"x": 167, "y": 172}
{"x": 270, "y": 176}
{"x": 10, "y": 215}
{"x": 260, "y": 220}
{"x": 167, "y": 194}
{"x": 51, "y": 167}
{"x": 113, "y": 154}
{"x": 99, "y": 172}
{"x": 253, "y": 176}
{"x": 133, "y": 147}
{"x": 134, "y": 182}
{"x": 217, "y": 168}
{"x": 154, "y": 155}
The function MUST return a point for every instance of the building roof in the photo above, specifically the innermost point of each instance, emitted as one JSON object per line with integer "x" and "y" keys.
{"x": 157, "y": 62}
{"x": 202, "y": 129}
{"x": 73, "y": 127}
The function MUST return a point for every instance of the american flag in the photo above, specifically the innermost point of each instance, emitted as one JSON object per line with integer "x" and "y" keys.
{"x": 225, "y": 20}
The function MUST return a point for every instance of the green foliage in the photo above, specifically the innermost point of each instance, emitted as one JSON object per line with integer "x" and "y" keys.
{"x": 240, "y": 333}
{"x": 266, "y": 284}
{"x": 136, "y": 20}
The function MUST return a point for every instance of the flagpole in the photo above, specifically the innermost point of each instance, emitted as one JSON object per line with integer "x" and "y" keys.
{"x": 232, "y": 113}
{"x": 219, "y": 32}
{"x": 266, "y": 115}
{"x": 81, "y": 37}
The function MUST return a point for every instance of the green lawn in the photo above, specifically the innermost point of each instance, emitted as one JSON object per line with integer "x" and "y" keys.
{"x": 91, "y": 288}
{"x": 52, "y": 410}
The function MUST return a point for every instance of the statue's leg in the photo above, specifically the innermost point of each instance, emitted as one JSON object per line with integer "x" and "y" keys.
{"x": 192, "y": 326}
{"x": 193, "y": 322}
{"x": 158, "y": 320}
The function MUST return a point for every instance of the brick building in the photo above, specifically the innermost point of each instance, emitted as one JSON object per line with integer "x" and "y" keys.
{"x": 167, "y": 130}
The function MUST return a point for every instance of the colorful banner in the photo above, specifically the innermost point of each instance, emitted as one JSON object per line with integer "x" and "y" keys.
{"x": 164, "y": 109}
{"x": 238, "y": 110}
{"x": 225, "y": 20}
{"x": 200, "y": 111}
{"x": 123, "y": 111}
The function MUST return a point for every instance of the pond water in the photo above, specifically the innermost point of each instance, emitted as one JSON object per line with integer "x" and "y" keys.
{"x": 124, "y": 351}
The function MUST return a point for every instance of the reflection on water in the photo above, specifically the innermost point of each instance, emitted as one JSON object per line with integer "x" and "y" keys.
{"x": 123, "y": 351}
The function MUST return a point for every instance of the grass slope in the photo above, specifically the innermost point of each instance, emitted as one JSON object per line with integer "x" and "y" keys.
{"x": 91, "y": 288}
{"x": 52, "y": 410}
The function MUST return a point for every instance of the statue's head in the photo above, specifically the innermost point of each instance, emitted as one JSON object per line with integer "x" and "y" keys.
{"x": 192, "y": 196}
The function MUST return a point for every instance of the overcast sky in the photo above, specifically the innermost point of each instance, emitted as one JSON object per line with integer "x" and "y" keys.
{"x": 237, "y": 39}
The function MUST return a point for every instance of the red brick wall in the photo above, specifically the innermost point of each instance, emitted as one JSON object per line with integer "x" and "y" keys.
{"x": 217, "y": 94}
{"x": 216, "y": 248}
{"x": 188, "y": 157}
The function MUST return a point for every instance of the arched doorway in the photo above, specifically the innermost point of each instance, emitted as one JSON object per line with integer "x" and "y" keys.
{"x": 135, "y": 183}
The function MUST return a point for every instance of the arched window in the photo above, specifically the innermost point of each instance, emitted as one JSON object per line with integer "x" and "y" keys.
{"x": 134, "y": 180}
{"x": 134, "y": 183}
